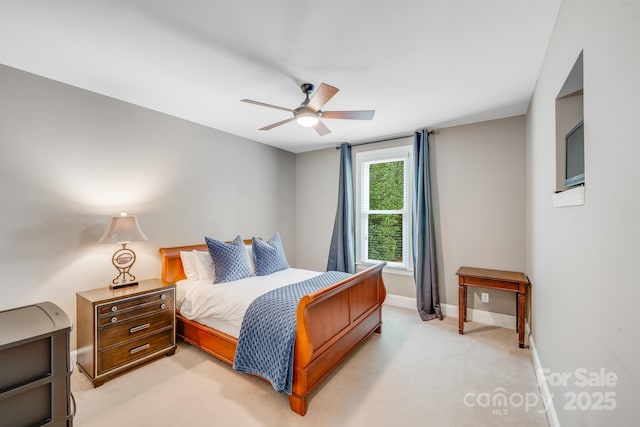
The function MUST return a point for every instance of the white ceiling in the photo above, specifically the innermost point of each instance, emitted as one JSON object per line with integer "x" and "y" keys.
{"x": 418, "y": 63}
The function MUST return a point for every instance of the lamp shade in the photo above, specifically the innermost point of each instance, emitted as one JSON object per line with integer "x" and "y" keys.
{"x": 122, "y": 229}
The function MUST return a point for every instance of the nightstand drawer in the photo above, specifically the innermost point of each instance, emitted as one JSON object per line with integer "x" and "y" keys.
{"x": 130, "y": 329}
{"x": 116, "y": 307}
{"x": 135, "y": 311}
{"x": 126, "y": 353}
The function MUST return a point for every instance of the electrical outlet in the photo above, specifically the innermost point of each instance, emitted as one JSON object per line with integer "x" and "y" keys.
{"x": 485, "y": 297}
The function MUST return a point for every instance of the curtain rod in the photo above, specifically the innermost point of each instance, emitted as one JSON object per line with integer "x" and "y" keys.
{"x": 431, "y": 132}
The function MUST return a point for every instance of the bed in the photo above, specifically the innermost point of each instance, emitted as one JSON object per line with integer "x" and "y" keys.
{"x": 330, "y": 324}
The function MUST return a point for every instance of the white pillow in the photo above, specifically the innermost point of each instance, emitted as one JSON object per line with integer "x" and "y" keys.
{"x": 252, "y": 262}
{"x": 204, "y": 265}
{"x": 188, "y": 259}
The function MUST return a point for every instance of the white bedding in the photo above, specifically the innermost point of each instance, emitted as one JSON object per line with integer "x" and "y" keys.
{"x": 222, "y": 305}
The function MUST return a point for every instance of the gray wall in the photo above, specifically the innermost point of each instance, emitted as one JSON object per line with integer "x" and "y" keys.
{"x": 70, "y": 158}
{"x": 479, "y": 195}
{"x": 582, "y": 260}
{"x": 316, "y": 204}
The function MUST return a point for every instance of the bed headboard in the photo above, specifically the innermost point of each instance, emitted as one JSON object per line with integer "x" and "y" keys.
{"x": 172, "y": 269}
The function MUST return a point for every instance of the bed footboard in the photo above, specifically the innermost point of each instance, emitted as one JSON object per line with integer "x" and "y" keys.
{"x": 331, "y": 324}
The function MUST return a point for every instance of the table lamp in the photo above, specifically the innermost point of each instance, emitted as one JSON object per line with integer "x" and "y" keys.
{"x": 123, "y": 229}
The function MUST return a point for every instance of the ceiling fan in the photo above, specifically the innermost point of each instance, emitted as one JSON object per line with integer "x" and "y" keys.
{"x": 308, "y": 114}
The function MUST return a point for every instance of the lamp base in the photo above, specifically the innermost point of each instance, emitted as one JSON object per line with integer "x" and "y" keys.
{"x": 122, "y": 285}
{"x": 123, "y": 260}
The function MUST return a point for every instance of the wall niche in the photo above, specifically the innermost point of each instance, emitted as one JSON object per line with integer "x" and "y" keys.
{"x": 569, "y": 116}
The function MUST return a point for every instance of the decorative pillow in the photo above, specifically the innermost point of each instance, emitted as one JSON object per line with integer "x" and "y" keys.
{"x": 230, "y": 260}
{"x": 204, "y": 265}
{"x": 269, "y": 256}
{"x": 188, "y": 259}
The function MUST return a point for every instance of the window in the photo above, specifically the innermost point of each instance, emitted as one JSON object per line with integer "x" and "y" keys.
{"x": 384, "y": 206}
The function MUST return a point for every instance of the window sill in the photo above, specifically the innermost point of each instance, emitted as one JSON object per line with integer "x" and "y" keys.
{"x": 389, "y": 270}
{"x": 571, "y": 197}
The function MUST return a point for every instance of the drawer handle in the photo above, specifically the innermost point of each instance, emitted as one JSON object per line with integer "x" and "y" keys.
{"x": 163, "y": 306}
{"x": 139, "y": 328}
{"x": 114, "y": 319}
{"x": 139, "y": 349}
{"x": 163, "y": 296}
{"x": 114, "y": 308}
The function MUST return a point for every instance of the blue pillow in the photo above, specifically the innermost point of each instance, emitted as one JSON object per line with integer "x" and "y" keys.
{"x": 230, "y": 260}
{"x": 269, "y": 256}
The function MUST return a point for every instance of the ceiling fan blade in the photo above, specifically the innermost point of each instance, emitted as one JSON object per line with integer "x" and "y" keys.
{"x": 323, "y": 94}
{"x": 321, "y": 128}
{"x": 249, "y": 101}
{"x": 271, "y": 126}
{"x": 351, "y": 115}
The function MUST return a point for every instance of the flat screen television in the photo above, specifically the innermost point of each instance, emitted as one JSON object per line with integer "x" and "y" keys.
{"x": 574, "y": 156}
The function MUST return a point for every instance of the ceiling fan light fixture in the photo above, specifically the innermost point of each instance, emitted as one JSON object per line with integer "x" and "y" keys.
{"x": 307, "y": 118}
{"x": 310, "y": 111}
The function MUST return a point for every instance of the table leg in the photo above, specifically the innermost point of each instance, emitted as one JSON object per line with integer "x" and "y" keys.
{"x": 520, "y": 317}
{"x": 466, "y": 302}
{"x": 462, "y": 305}
{"x": 517, "y": 313}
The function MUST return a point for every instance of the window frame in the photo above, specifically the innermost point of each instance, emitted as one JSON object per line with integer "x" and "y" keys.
{"x": 383, "y": 155}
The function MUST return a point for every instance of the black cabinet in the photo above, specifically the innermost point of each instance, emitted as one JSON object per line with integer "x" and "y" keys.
{"x": 35, "y": 369}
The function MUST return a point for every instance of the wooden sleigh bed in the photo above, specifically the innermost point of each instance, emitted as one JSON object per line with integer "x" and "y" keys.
{"x": 331, "y": 323}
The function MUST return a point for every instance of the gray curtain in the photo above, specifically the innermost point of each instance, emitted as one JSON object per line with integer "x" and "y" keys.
{"x": 342, "y": 254}
{"x": 425, "y": 269}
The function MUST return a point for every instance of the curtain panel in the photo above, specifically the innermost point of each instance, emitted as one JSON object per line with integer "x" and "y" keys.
{"x": 425, "y": 270}
{"x": 342, "y": 253}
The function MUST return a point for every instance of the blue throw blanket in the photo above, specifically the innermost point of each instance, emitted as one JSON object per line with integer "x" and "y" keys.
{"x": 268, "y": 331}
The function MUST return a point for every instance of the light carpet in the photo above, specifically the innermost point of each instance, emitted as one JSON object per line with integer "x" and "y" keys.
{"x": 413, "y": 374}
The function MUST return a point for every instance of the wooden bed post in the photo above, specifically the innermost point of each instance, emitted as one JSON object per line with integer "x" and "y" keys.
{"x": 298, "y": 404}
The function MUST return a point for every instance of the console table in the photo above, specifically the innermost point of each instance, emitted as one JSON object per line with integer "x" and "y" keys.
{"x": 494, "y": 279}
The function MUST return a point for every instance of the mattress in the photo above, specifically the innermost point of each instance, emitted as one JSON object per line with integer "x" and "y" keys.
{"x": 222, "y": 305}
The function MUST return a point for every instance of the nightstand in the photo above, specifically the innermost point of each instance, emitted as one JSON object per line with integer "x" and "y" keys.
{"x": 118, "y": 329}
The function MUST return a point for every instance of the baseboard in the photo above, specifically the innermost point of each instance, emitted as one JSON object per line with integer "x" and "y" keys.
{"x": 400, "y": 301}
{"x": 547, "y": 398}
{"x": 480, "y": 316}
